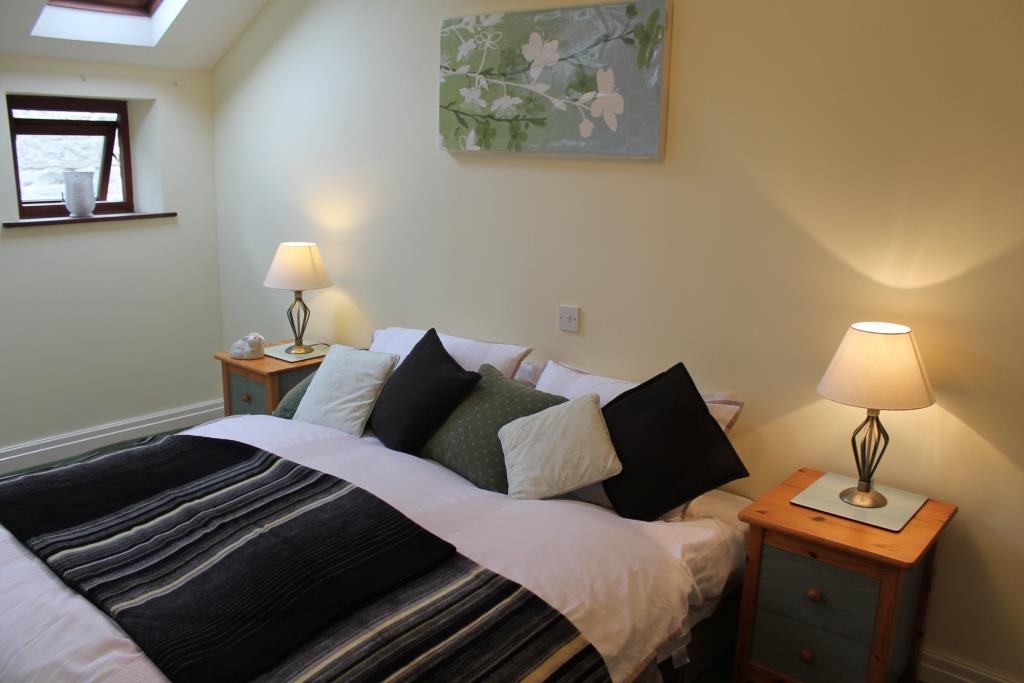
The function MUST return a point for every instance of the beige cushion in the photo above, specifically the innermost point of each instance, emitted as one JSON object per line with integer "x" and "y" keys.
{"x": 345, "y": 388}
{"x": 558, "y": 450}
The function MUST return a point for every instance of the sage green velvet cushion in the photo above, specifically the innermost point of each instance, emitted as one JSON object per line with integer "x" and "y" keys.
{"x": 467, "y": 443}
{"x": 290, "y": 403}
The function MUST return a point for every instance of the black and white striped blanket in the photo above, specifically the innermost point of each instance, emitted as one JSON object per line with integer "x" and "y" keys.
{"x": 224, "y": 562}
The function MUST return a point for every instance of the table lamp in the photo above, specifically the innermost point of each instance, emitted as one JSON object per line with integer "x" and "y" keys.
{"x": 297, "y": 266}
{"x": 877, "y": 367}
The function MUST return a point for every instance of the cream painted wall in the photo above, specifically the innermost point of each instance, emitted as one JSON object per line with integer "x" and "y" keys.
{"x": 827, "y": 162}
{"x": 103, "y": 322}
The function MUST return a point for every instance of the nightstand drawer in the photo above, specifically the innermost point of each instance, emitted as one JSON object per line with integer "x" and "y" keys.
{"x": 818, "y": 594}
{"x": 261, "y": 382}
{"x": 807, "y": 653}
{"x": 248, "y": 397}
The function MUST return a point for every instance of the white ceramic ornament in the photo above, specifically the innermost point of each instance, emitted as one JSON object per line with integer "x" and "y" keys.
{"x": 248, "y": 347}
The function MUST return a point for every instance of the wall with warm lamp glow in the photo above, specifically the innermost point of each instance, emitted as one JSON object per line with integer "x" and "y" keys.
{"x": 826, "y": 163}
{"x": 106, "y": 322}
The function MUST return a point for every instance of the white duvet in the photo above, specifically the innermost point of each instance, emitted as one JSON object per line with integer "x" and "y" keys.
{"x": 629, "y": 587}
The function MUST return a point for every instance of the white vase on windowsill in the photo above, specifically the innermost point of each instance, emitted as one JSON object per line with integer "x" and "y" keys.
{"x": 79, "y": 195}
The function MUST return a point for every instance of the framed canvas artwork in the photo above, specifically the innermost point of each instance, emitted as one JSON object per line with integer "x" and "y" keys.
{"x": 575, "y": 80}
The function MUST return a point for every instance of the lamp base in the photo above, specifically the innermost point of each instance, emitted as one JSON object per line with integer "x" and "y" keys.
{"x": 863, "y": 499}
{"x": 867, "y": 453}
{"x": 299, "y": 349}
{"x": 298, "y": 316}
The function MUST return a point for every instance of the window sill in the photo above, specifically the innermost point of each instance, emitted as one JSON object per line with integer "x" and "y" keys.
{"x": 99, "y": 218}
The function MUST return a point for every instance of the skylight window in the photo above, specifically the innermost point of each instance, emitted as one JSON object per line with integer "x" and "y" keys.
{"x": 121, "y": 22}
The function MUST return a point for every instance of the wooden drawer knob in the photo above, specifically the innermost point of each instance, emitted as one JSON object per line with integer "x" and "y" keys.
{"x": 245, "y": 398}
{"x": 814, "y": 595}
{"x": 806, "y": 655}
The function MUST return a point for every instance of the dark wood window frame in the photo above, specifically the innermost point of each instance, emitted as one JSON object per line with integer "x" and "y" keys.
{"x": 105, "y": 129}
{"x": 139, "y": 8}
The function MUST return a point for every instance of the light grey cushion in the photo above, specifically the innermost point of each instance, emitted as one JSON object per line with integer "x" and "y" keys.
{"x": 345, "y": 388}
{"x": 558, "y": 450}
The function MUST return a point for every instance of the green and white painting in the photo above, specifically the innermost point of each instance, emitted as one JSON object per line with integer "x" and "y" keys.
{"x": 574, "y": 80}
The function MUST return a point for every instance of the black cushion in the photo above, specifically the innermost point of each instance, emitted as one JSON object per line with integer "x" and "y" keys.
{"x": 671, "y": 448}
{"x": 420, "y": 395}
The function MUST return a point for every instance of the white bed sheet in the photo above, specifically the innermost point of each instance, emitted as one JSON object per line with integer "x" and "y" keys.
{"x": 630, "y": 587}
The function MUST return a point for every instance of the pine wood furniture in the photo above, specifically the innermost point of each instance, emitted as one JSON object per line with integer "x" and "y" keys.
{"x": 827, "y": 599}
{"x": 255, "y": 387}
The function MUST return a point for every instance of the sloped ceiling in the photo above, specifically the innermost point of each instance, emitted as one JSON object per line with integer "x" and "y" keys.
{"x": 203, "y": 31}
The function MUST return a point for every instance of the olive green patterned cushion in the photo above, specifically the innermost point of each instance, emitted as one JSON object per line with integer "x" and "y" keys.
{"x": 290, "y": 403}
{"x": 467, "y": 443}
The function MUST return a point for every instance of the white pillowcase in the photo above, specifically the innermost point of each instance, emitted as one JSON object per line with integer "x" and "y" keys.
{"x": 558, "y": 450}
{"x": 725, "y": 412}
{"x": 469, "y": 353}
{"x": 345, "y": 388}
{"x": 528, "y": 374}
{"x": 563, "y": 380}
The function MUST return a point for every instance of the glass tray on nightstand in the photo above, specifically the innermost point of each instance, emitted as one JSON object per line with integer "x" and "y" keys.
{"x": 280, "y": 353}
{"x": 824, "y": 495}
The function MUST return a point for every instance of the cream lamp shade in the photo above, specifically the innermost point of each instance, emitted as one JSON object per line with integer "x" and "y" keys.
{"x": 297, "y": 266}
{"x": 877, "y": 366}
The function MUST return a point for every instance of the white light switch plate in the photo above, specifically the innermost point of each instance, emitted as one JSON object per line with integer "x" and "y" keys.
{"x": 569, "y": 318}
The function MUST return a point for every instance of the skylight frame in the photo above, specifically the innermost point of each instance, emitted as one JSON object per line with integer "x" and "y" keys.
{"x": 141, "y": 8}
{"x": 105, "y": 25}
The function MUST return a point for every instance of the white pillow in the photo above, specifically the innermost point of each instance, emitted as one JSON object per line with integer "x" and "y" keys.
{"x": 528, "y": 374}
{"x": 345, "y": 387}
{"x": 725, "y": 412}
{"x": 469, "y": 353}
{"x": 563, "y": 380}
{"x": 558, "y": 450}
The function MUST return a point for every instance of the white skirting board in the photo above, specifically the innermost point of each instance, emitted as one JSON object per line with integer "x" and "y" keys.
{"x": 937, "y": 668}
{"x": 60, "y": 446}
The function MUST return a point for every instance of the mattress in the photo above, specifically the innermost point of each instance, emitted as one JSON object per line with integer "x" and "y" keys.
{"x": 632, "y": 588}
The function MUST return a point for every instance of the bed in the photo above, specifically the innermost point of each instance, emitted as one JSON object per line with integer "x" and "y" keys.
{"x": 634, "y": 590}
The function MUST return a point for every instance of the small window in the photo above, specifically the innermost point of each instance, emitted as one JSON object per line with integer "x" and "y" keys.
{"x": 50, "y": 135}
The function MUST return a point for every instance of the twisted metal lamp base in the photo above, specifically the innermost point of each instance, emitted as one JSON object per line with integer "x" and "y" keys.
{"x": 867, "y": 453}
{"x": 298, "y": 316}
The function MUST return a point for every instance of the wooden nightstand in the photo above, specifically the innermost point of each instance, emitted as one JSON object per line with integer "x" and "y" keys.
{"x": 255, "y": 387}
{"x": 827, "y": 599}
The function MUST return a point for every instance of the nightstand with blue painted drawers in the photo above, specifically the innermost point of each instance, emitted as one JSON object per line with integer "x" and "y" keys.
{"x": 255, "y": 387}
{"x": 830, "y": 600}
